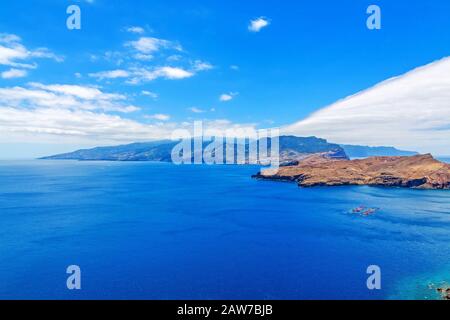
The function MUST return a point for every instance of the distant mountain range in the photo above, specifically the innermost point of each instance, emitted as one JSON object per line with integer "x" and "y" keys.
{"x": 147, "y": 151}
{"x": 364, "y": 151}
{"x": 292, "y": 149}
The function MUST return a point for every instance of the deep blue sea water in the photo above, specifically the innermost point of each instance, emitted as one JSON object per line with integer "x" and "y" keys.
{"x": 159, "y": 231}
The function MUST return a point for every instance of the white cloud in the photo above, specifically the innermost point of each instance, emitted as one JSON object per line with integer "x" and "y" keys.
{"x": 158, "y": 116}
{"x": 112, "y": 74}
{"x": 234, "y": 67}
{"x": 62, "y": 126}
{"x": 135, "y": 29}
{"x": 143, "y": 57}
{"x": 9, "y": 38}
{"x": 148, "y": 45}
{"x": 224, "y": 128}
{"x": 411, "y": 111}
{"x": 149, "y": 94}
{"x": 134, "y": 67}
{"x": 227, "y": 96}
{"x": 79, "y": 115}
{"x": 82, "y": 92}
{"x": 46, "y": 53}
{"x": 116, "y": 57}
{"x": 57, "y": 96}
{"x": 68, "y": 113}
{"x": 14, "y": 54}
{"x": 196, "y": 110}
{"x": 257, "y": 24}
{"x": 202, "y": 65}
{"x": 14, "y": 73}
{"x": 171, "y": 73}
{"x": 174, "y": 57}
{"x": 78, "y": 126}
{"x": 138, "y": 75}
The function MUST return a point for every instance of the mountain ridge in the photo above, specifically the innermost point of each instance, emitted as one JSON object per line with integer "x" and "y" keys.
{"x": 359, "y": 151}
{"x": 292, "y": 150}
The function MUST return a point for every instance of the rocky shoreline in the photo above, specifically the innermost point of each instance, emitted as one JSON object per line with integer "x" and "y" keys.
{"x": 418, "y": 172}
{"x": 444, "y": 293}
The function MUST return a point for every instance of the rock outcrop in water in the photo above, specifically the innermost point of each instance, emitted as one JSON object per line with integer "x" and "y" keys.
{"x": 421, "y": 172}
{"x": 444, "y": 292}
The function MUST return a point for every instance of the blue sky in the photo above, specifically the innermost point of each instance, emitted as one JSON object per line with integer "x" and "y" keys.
{"x": 311, "y": 54}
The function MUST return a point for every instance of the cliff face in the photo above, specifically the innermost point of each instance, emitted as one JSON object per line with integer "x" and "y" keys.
{"x": 421, "y": 171}
{"x": 294, "y": 150}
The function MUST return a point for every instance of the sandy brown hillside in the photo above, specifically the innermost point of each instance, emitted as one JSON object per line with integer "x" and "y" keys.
{"x": 421, "y": 171}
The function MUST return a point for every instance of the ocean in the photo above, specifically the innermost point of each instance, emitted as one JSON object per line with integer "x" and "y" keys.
{"x": 141, "y": 230}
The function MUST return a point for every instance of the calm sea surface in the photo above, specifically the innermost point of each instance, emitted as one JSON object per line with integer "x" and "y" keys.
{"x": 159, "y": 231}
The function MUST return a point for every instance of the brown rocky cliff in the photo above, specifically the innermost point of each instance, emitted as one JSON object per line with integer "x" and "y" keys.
{"x": 421, "y": 171}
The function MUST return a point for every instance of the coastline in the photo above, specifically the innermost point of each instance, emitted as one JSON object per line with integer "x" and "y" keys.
{"x": 422, "y": 286}
{"x": 416, "y": 172}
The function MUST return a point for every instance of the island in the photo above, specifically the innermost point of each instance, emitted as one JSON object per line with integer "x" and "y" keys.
{"x": 292, "y": 150}
{"x": 308, "y": 161}
{"x": 419, "y": 172}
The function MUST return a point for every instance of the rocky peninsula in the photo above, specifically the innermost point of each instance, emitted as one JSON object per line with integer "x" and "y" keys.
{"x": 419, "y": 172}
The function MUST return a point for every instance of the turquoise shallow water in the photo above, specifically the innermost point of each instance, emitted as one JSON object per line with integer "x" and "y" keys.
{"x": 422, "y": 286}
{"x": 158, "y": 231}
